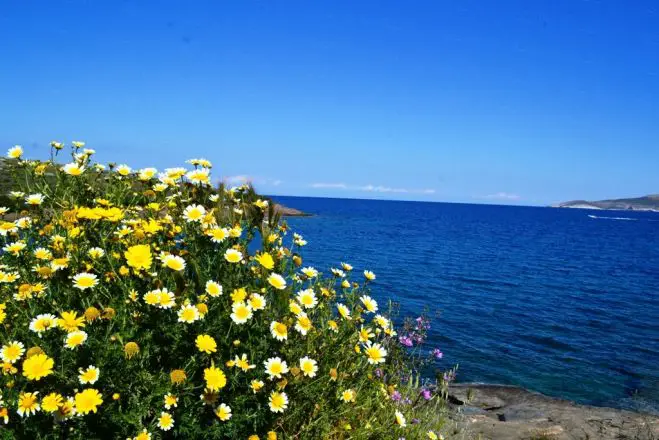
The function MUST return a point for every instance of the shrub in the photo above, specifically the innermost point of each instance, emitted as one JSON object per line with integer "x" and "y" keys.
{"x": 136, "y": 304}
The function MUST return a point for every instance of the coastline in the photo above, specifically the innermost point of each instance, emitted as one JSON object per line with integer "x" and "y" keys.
{"x": 510, "y": 413}
{"x": 597, "y": 208}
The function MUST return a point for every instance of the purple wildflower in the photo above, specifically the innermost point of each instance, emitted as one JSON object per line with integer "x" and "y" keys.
{"x": 406, "y": 341}
{"x": 422, "y": 323}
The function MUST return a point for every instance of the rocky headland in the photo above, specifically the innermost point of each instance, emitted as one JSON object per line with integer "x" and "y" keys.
{"x": 285, "y": 211}
{"x": 645, "y": 203}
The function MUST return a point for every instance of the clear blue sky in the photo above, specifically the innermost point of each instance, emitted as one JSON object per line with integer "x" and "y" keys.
{"x": 526, "y": 102}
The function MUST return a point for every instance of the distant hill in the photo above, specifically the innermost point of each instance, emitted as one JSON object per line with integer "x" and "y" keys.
{"x": 645, "y": 203}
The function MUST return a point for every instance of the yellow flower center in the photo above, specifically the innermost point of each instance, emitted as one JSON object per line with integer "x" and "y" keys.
{"x": 175, "y": 264}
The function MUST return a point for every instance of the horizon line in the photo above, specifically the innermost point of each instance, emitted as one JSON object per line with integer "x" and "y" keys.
{"x": 406, "y": 201}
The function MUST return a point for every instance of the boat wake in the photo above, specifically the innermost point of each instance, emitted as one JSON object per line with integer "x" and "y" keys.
{"x": 611, "y": 218}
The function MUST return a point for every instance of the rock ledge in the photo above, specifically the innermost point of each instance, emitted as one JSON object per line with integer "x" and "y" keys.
{"x": 512, "y": 413}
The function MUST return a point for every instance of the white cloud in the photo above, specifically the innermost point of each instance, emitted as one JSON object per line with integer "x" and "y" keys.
{"x": 242, "y": 178}
{"x": 330, "y": 185}
{"x": 501, "y": 196}
{"x": 237, "y": 180}
{"x": 371, "y": 188}
{"x": 382, "y": 189}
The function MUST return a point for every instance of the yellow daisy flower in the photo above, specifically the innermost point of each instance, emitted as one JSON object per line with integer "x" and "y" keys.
{"x": 215, "y": 378}
{"x": 166, "y": 299}
{"x": 343, "y": 311}
{"x": 15, "y": 152}
{"x": 223, "y": 412}
{"x": 278, "y": 330}
{"x": 243, "y": 363}
{"x": 365, "y": 334}
{"x": 85, "y": 280}
{"x": 265, "y": 260}
{"x": 277, "y": 281}
{"x": 73, "y": 169}
{"x": 194, "y": 213}
{"x": 152, "y": 297}
{"x": 38, "y": 366}
{"x": 217, "y": 235}
{"x": 70, "y": 321}
{"x": 257, "y": 302}
{"x": 240, "y": 312}
{"x": 28, "y": 404}
{"x": 303, "y": 324}
{"x": 213, "y": 289}
{"x": 139, "y": 257}
{"x": 89, "y": 375}
{"x": 310, "y": 272}
{"x": 369, "y": 303}
{"x": 12, "y": 351}
{"x": 88, "y": 401}
{"x": 171, "y": 401}
{"x": 294, "y": 307}
{"x": 165, "y": 421}
{"x": 375, "y": 353}
{"x": 256, "y": 385}
{"x": 123, "y": 170}
{"x": 206, "y": 344}
{"x": 308, "y": 366}
{"x": 348, "y": 395}
{"x": 278, "y": 402}
{"x": 275, "y": 368}
{"x": 51, "y": 402}
{"x": 75, "y": 338}
{"x": 173, "y": 262}
{"x": 199, "y": 176}
{"x": 233, "y": 256}
{"x": 34, "y": 199}
{"x": 188, "y": 314}
{"x": 144, "y": 435}
{"x": 239, "y": 295}
{"x": 307, "y": 298}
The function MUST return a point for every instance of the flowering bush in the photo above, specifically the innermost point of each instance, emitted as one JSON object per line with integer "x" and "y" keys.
{"x": 138, "y": 304}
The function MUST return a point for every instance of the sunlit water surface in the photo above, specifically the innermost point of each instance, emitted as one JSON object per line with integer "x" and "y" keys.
{"x": 560, "y": 301}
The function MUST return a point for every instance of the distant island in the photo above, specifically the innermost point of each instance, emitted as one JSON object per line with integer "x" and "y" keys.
{"x": 645, "y": 203}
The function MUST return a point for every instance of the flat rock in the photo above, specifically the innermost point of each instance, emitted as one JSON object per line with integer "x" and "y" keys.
{"x": 512, "y": 413}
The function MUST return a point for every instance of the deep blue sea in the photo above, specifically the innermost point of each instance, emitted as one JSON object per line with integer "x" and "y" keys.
{"x": 552, "y": 300}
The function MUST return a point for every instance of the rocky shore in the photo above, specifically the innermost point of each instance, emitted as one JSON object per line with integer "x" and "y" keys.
{"x": 512, "y": 413}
